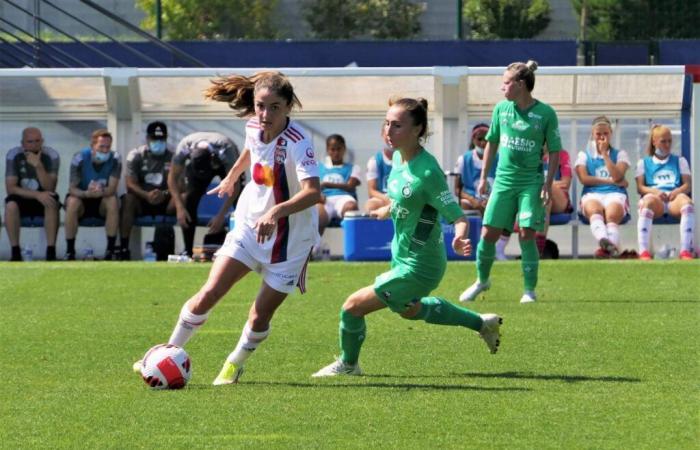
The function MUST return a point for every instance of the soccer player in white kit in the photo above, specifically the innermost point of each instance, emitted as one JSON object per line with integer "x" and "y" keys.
{"x": 275, "y": 221}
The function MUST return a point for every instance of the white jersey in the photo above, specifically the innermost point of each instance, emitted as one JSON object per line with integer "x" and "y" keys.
{"x": 276, "y": 171}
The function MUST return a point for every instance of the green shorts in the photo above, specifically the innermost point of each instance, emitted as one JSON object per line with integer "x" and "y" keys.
{"x": 399, "y": 288}
{"x": 505, "y": 205}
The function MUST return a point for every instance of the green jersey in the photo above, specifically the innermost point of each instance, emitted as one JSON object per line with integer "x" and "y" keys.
{"x": 520, "y": 136}
{"x": 419, "y": 195}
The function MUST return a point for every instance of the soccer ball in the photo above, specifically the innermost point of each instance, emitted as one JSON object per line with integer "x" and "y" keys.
{"x": 166, "y": 366}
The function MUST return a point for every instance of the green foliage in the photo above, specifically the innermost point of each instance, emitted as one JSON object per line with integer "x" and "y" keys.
{"x": 619, "y": 20}
{"x": 607, "y": 359}
{"x": 352, "y": 19}
{"x": 506, "y": 19}
{"x": 212, "y": 19}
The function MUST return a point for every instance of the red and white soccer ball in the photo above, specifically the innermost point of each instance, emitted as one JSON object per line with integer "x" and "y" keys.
{"x": 166, "y": 366}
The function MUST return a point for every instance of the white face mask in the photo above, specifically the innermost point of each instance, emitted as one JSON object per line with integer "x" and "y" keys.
{"x": 661, "y": 154}
{"x": 479, "y": 151}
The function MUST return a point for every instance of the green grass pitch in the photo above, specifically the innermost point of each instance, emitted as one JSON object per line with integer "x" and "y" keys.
{"x": 607, "y": 358}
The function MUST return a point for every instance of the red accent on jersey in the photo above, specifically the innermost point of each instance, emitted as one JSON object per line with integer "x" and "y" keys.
{"x": 296, "y": 133}
{"x": 281, "y": 193}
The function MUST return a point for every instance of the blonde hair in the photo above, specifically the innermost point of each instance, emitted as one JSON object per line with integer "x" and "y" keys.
{"x": 524, "y": 72}
{"x": 102, "y": 132}
{"x": 601, "y": 120}
{"x": 239, "y": 91}
{"x": 655, "y": 133}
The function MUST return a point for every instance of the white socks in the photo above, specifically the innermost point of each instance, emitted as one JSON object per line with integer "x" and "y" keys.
{"x": 613, "y": 230}
{"x": 687, "y": 227}
{"x": 598, "y": 227}
{"x": 247, "y": 344}
{"x": 644, "y": 224}
{"x": 187, "y": 324}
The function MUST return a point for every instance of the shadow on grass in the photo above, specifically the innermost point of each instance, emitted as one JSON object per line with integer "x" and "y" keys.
{"x": 360, "y": 384}
{"x": 546, "y": 377}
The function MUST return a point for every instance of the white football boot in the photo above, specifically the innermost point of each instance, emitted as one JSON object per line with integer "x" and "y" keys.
{"x": 470, "y": 294}
{"x": 338, "y": 367}
{"x": 491, "y": 331}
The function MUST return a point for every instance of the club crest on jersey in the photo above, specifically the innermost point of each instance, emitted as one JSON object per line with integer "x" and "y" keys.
{"x": 406, "y": 190}
{"x": 280, "y": 155}
{"x": 282, "y": 142}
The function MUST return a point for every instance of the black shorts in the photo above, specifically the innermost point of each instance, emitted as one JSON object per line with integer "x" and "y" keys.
{"x": 91, "y": 207}
{"x": 147, "y": 209}
{"x": 28, "y": 207}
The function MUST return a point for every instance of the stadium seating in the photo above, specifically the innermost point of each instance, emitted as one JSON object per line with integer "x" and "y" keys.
{"x": 209, "y": 205}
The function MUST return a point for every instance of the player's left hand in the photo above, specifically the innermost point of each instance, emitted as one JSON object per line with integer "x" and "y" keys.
{"x": 266, "y": 225}
{"x": 671, "y": 196}
{"x": 546, "y": 195}
{"x": 462, "y": 246}
{"x": 381, "y": 213}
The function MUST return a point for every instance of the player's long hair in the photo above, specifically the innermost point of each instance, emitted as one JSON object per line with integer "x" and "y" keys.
{"x": 417, "y": 108}
{"x": 656, "y": 132}
{"x": 239, "y": 91}
{"x": 524, "y": 72}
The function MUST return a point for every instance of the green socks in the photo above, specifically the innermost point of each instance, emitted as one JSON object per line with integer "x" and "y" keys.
{"x": 530, "y": 263}
{"x": 438, "y": 311}
{"x": 352, "y": 335}
{"x": 485, "y": 255}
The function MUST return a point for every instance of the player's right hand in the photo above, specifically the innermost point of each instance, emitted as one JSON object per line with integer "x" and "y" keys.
{"x": 483, "y": 187}
{"x": 226, "y": 187}
{"x": 183, "y": 218}
{"x": 46, "y": 199}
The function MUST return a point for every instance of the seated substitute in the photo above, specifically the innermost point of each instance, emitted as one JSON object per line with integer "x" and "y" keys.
{"x": 31, "y": 173}
{"x": 199, "y": 158}
{"x": 338, "y": 181}
{"x": 664, "y": 184}
{"x": 147, "y": 194}
{"x": 601, "y": 170}
{"x": 94, "y": 176}
{"x": 468, "y": 170}
{"x": 378, "y": 170}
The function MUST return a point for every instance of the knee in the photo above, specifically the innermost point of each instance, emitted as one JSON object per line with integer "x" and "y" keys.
{"x": 11, "y": 207}
{"x": 412, "y": 312}
{"x": 73, "y": 204}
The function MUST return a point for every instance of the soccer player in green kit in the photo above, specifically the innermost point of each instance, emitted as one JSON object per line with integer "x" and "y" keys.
{"x": 419, "y": 196}
{"x": 520, "y": 126}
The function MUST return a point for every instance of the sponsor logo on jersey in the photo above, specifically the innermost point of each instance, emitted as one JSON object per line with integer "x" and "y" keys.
{"x": 520, "y": 125}
{"x": 310, "y": 152}
{"x": 525, "y": 215}
{"x": 602, "y": 172}
{"x": 532, "y": 115}
{"x": 517, "y": 144}
{"x": 664, "y": 178}
{"x": 446, "y": 197}
{"x": 263, "y": 175}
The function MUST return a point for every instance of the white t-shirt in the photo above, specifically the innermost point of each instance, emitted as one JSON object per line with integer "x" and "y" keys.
{"x": 682, "y": 165}
{"x": 276, "y": 171}
{"x": 621, "y": 157}
{"x": 372, "y": 173}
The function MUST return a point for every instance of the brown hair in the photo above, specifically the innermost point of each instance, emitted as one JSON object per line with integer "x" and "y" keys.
{"x": 524, "y": 72}
{"x": 655, "y": 132}
{"x": 239, "y": 91}
{"x": 417, "y": 108}
{"x": 102, "y": 132}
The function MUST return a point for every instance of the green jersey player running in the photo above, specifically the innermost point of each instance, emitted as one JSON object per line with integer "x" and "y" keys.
{"x": 520, "y": 126}
{"x": 419, "y": 196}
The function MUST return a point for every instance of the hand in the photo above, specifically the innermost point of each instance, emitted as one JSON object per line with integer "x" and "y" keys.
{"x": 46, "y": 199}
{"x": 603, "y": 146}
{"x": 266, "y": 225}
{"x": 216, "y": 224}
{"x": 226, "y": 187}
{"x": 183, "y": 218}
{"x": 381, "y": 213}
{"x": 96, "y": 186}
{"x": 462, "y": 246}
{"x": 33, "y": 159}
{"x": 546, "y": 195}
{"x": 483, "y": 187}
{"x": 672, "y": 195}
{"x": 155, "y": 197}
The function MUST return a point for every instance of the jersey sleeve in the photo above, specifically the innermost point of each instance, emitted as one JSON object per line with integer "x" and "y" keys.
{"x": 683, "y": 166}
{"x": 133, "y": 163}
{"x": 75, "y": 165}
{"x": 564, "y": 163}
{"x": 117, "y": 167}
{"x": 356, "y": 172}
{"x": 552, "y": 135}
{"x": 459, "y": 166}
{"x": 10, "y": 169}
{"x": 372, "y": 169}
{"x": 494, "y": 133}
{"x": 54, "y": 161}
{"x": 440, "y": 197}
{"x": 623, "y": 157}
{"x": 581, "y": 159}
{"x": 305, "y": 160}
{"x": 182, "y": 152}
{"x": 640, "y": 168}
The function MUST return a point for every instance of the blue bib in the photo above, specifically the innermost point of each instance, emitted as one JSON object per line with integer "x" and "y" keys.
{"x": 665, "y": 176}
{"x": 470, "y": 175}
{"x": 335, "y": 174}
{"x": 383, "y": 171}
{"x": 88, "y": 172}
{"x": 595, "y": 167}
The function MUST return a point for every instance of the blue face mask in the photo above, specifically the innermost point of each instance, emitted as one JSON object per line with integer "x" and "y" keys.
{"x": 157, "y": 147}
{"x": 661, "y": 154}
{"x": 101, "y": 157}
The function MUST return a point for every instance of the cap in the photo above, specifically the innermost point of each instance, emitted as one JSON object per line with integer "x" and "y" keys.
{"x": 157, "y": 130}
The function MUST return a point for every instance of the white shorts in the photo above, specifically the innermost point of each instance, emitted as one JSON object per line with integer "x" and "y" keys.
{"x": 641, "y": 202}
{"x": 606, "y": 199}
{"x": 335, "y": 203}
{"x": 282, "y": 277}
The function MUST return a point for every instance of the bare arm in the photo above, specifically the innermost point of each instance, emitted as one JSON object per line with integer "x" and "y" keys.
{"x": 489, "y": 156}
{"x": 348, "y": 187}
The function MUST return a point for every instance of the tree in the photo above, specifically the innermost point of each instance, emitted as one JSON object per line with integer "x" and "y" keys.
{"x": 352, "y": 19}
{"x": 619, "y": 20}
{"x": 212, "y": 19}
{"x": 506, "y": 19}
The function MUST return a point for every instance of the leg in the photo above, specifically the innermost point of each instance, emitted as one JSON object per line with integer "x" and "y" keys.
{"x": 109, "y": 209}
{"x": 374, "y": 203}
{"x": 485, "y": 255}
{"x": 594, "y": 211}
{"x": 323, "y": 218}
{"x": 683, "y": 206}
{"x": 225, "y": 272}
{"x": 347, "y": 207}
{"x": 12, "y": 226}
{"x": 614, "y": 213}
{"x": 529, "y": 263}
{"x": 51, "y": 224}
{"x": 131, "y": 206}
{"x": 195, "y": 190}
{"x": 650, "y": 206}
{"x": 74, "y": 210}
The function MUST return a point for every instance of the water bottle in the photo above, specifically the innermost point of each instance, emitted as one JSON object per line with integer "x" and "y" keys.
{"x": 663, "y": 252}
{"x": 89, "y": 254}
{"x": 27, "y": 253}
{"x": 149, "y": 255}
{"x": 325, "y": 252}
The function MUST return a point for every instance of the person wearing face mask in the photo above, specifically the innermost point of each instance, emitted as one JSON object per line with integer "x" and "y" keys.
{"x": 378, "y": 171}
{"x": 468, "y": 169}
{"x": 31, "y": 173}
{"x": 94, "y": 176}
{"x": 199, "y": 158}
{"x": 663, "y": 182}
{"x": 601, "y": 170}
{"x": 147, "y": 168}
